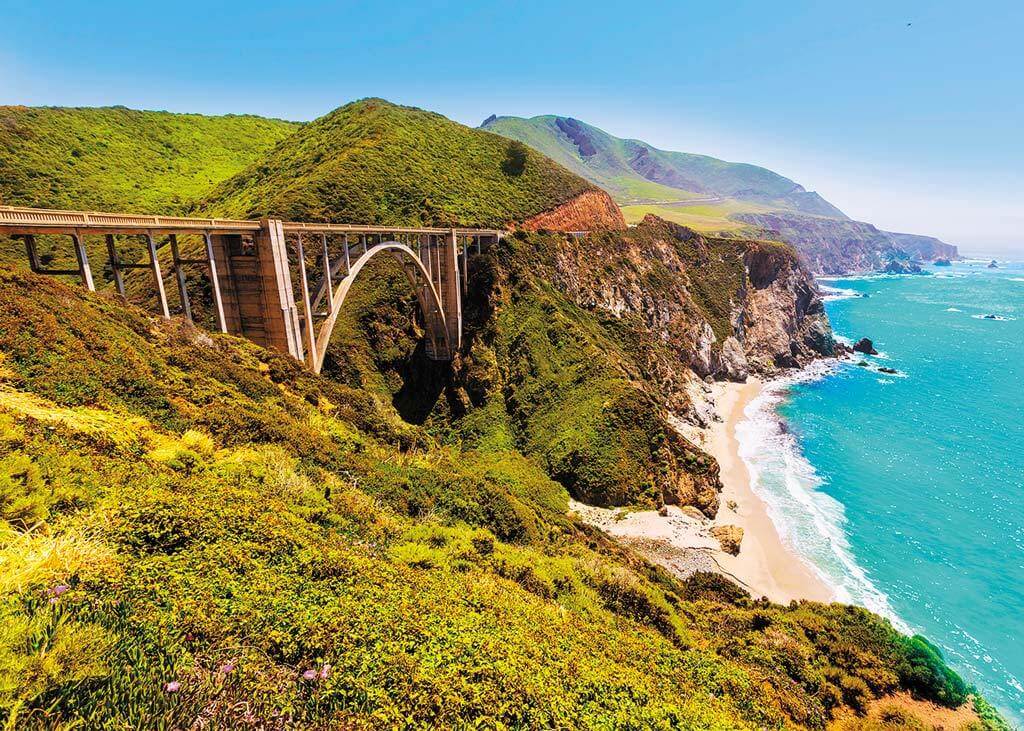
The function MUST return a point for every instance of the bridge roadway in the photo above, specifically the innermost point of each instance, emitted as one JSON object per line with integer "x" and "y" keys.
{"x": 256, "y": 269}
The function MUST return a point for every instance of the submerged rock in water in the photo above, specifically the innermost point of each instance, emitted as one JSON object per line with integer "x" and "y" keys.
{"x": 887, "y": 370}
{"x": 993, "y": 264}
{"x": 898, "y": 266}
{"x": 864, "y": 345}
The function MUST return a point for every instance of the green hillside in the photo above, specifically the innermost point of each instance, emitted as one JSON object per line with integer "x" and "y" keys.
{"x": 635, "y": 172}
{"x": 376, "y": 162}
{"x": 118, "y": 159}
{"x": 196, "y": 531}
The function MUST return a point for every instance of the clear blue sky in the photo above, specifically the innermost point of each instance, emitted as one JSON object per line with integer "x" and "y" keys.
{"x": 915, "y": 128}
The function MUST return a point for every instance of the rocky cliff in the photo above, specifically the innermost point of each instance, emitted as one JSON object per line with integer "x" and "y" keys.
{"x": 832, "y": 246}
{"x": 589, "y": 210}
{"x": 582, "y": 351}
{"x": 718, "y": 307}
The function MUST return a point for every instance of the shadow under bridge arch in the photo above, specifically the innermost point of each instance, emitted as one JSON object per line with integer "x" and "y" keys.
{"x": 426, "y": 283}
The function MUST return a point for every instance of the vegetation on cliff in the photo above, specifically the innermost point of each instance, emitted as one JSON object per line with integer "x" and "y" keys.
{"x": 198, "y": 531}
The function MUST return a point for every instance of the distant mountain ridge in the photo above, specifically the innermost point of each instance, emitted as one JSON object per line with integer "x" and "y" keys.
{"x": 635, "y": 172}
{"x": 715, "y": 196}
{"x": 841, "y": 247}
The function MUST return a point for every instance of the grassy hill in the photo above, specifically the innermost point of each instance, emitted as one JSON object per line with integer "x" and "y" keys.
{"x": 196, "y": 530}
{"x": 119, "y": 159}
{"x": 635, "y": 172}
{"x": 376, "y": 162}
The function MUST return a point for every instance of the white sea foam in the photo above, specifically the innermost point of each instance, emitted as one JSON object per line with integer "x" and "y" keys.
{"x": 993, "y": 318}
{"x": 837, "y": 293}
{"x": 953, "y": 309}
{"x": 1016, "y": 279}
{"x": 808, "y": 520}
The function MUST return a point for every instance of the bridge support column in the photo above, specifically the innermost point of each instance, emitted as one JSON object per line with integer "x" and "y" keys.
{"x": 450, "y": 289}
{"x": 277, "y": 299}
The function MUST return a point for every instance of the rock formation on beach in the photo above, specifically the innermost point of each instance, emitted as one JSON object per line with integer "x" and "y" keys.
{"x": 730, "y": 536}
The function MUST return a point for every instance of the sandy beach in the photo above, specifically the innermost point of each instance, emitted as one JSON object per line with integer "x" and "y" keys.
{"x": 765, "y": 563}
{"x": 682, "y": 540}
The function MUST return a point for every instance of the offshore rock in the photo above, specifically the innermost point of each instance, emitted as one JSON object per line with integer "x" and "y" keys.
{"x": 864, "y": 345}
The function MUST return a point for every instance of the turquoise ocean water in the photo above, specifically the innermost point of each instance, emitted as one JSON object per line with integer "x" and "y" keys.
{"x": 906, "y": 492}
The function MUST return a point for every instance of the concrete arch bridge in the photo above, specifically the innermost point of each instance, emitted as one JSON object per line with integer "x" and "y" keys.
{"x": 280, "y": 284}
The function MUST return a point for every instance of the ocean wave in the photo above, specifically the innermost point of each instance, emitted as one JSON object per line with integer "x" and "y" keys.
{"x": 953, "y": 309}
{"x": 994, "y": 318}
{"x": 1016, "y": 279}
{"x": 837, "y": 293}
{"x": 808, "y": 520}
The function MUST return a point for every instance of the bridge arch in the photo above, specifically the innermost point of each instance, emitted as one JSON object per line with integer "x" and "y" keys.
{"x": 421, "y": 280}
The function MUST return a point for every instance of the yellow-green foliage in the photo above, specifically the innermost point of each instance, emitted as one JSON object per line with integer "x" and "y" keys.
{"x": 272, "y": 548}
{"x": 113, "y": 158}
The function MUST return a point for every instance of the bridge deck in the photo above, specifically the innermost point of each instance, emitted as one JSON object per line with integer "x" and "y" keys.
{"x": 17, "y": 220}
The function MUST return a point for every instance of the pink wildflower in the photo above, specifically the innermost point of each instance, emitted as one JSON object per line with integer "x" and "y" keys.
{"x": 309, "y": 675}
{"x": 227, "y": 667}
{"x": 324, "y": 672}
{"x": 172, "y": 687}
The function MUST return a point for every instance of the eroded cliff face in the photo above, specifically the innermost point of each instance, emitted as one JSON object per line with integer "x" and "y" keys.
{"x": 583, "y": 351}
{"x": 717, "y": 307}
{"x": 592, "y": 209}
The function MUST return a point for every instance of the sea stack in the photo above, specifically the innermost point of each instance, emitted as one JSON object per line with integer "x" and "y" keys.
{"x": 864, "y": 345}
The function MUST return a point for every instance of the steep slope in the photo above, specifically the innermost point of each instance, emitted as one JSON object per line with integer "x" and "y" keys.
{"x": 841, "y": 247}
{"x": 115, "y": 159}
{"x": 635, "y": 172}
{"x": 375, "y": 162}
{"x": 198, "y": 533}
{"x": 581, "y": 350}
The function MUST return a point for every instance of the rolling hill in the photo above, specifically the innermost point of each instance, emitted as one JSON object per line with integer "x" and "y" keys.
{"x": 113, "y": 158}
{"x": 635, "y": 172}
{"x": 376, "y": 162}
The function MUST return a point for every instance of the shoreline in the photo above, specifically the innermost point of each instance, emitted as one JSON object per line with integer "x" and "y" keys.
{"x": 765, "y": 563}
{"x": 681, "y": 540}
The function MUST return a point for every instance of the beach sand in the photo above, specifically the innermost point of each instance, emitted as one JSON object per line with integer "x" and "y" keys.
{"x": 765, "y": 564}
{"x": 681, "y": 540}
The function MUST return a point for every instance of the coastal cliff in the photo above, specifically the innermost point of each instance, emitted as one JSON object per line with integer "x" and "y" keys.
{"x": 582, "y": 352}
{"x": 721, "y": 308}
